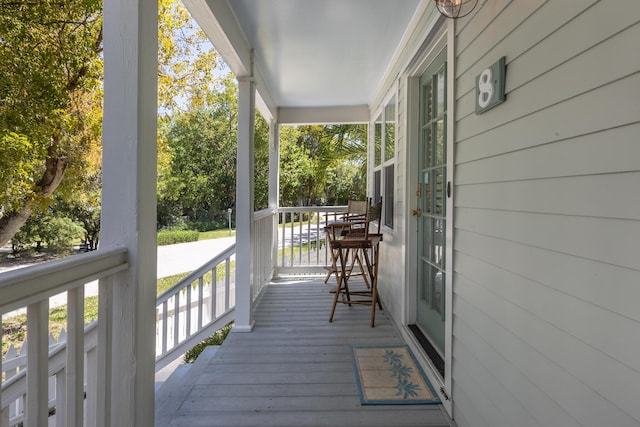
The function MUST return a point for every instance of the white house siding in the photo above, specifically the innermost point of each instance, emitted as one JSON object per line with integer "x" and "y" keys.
{"x": 546, "y": 328}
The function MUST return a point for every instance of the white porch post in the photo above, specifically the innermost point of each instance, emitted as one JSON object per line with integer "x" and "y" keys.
{"x": 129, "y": 212}
{"x": 244, "y": 206}
{"x": 274, "y": 186}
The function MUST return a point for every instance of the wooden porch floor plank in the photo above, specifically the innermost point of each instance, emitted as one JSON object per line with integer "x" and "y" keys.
{"x": 409, "y": 418}
{"x": 295, "y": 369}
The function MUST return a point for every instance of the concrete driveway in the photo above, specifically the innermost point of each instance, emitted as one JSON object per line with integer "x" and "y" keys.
{"x": 184, "y": 257}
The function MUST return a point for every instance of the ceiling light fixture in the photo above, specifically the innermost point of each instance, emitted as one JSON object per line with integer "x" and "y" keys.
{"x": 455, "y": 8}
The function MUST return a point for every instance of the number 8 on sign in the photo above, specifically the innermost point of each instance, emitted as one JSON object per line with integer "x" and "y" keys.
{"x": 485, "y": 87}
{"x": 490, "y": 86}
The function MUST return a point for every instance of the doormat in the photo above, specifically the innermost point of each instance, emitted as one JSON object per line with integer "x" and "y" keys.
{"x": 390, "y": 375}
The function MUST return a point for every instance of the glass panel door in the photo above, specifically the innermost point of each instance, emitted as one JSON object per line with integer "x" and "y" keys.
{"x": 432, "y": 195}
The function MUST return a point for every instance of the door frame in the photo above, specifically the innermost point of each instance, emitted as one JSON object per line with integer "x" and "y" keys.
{"x": 444, "y": 39}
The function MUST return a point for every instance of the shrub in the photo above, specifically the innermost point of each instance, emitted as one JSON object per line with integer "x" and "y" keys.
{"x": 55, "y": 233}
{"x": 216, "y": 339}
{"x": 170, "y": 237}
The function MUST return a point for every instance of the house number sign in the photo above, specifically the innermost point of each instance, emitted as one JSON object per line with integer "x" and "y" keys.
{"x": 490, "y": 86}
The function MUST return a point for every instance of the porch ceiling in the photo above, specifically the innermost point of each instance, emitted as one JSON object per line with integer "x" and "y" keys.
{"x": 314, "y": 54}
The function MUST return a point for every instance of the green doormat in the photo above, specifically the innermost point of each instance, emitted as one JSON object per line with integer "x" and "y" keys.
{"x": 390, "y": 375}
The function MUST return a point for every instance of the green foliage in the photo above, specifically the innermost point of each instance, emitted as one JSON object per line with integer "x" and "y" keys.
{"x": 50, "y": 114}
{"x": 85, "y": 209}
{"x": 16, "y": 170}
{"x": 261, "y": 164}
{"x": 199, "y": 181}
{"x": 322, "y": 164}
{"x": 216, "y": 339}
{"x": 171, "y": 237}
{"x": 53, "y": 232}
{"x": 186, "y": 60}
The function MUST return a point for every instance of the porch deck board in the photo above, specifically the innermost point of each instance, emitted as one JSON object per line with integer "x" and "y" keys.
{"x": 294, "y": 369}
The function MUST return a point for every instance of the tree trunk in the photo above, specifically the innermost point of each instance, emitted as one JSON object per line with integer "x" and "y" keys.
{"x": 51, "y": 178}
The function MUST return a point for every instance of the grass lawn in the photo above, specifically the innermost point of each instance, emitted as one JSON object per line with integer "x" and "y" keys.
{"x": 216, "y": 234}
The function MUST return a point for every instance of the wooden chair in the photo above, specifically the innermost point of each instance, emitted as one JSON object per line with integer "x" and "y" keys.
{"x": 356, "y": 214}
{"x": 362, "y": 243}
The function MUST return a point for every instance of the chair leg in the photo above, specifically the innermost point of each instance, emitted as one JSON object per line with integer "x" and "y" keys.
{"x": 373, "y": 271}
{"x": 341, "y": 283}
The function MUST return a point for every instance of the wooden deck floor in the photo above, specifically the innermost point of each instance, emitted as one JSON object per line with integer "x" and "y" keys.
{"x": 294, "y": 369}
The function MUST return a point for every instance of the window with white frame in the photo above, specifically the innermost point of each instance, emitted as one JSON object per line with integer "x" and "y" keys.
{"x": 384, "y": 159}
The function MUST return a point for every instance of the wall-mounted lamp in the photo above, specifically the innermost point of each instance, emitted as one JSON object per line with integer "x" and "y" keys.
{"x": 455, "y": 8}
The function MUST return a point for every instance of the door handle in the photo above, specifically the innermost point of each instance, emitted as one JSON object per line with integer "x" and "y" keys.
{"x": 416, "y": 212}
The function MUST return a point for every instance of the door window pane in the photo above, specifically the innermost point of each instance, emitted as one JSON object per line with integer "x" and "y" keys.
{"x": 425, "y": 292}
{"x": 440, "y": 97}
{"x": 427, "y": 147}
{"x": 437, "y": 302}
{"x": 426, "y": 192}
{"x": 439, "y": 142}
{"x": 439, "y": 201}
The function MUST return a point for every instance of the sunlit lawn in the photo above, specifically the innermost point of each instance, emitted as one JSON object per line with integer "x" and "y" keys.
{"x": 216, "y": 234}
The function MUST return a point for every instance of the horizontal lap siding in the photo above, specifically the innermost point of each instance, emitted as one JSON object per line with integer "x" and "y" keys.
{"x": 547, "y": 218}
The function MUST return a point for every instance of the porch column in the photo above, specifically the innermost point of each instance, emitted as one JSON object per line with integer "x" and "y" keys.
{"x": 244, "y": 206}
{"x": 126, "y": 346}
{"x": 274, "y": 187}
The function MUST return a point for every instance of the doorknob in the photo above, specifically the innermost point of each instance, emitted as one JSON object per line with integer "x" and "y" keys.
{"x": 416, "y": 212}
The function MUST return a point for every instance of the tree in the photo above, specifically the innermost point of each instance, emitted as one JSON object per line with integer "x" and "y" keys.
{"x": 50, "y": 70}
{"x": 199, "y": 180}
{"x": 187, "y": 61}
{"x": 322, "y": 164}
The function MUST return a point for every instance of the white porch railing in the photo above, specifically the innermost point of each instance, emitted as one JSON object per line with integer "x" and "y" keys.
{"x": 28, "y": 390}
{"x": 195, "y": 307}
{"x": 302, "y": 247}
{"x": 263, "y": 261}
{"x": 14, "y": 369}
{"x": 185, "y": 314}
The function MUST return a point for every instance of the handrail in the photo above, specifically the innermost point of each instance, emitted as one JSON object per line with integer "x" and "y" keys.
{"x": 340, "y": 208}
{"x": 32, "y": 287}
{"x": 194, "y": 308}
{"x": 205, "y": 268}
{"x": 258, "y": 215}
{"x": 25, "y": 286}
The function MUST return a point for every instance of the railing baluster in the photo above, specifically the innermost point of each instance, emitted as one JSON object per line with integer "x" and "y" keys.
{"x": 187, "y": 313}
{"x": 165, "y": 328}
{"x": 283, "y": 216}
{"x": 75, "y": 358}
{"x": 61, "y": 399}
{"x": 104, "y": 361}
{"x": 200, "y": 301}
{"x": 227, "y": 284}
{"x": 308, "y": 239}
{"x": 176, "y": 318}
{"x": 92, "y": 388}
{"x": 301, "y": 216}
{"x": 292, "y": 232}
{"x": 214, "y": 294}
{"x": 37, "y": 412}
